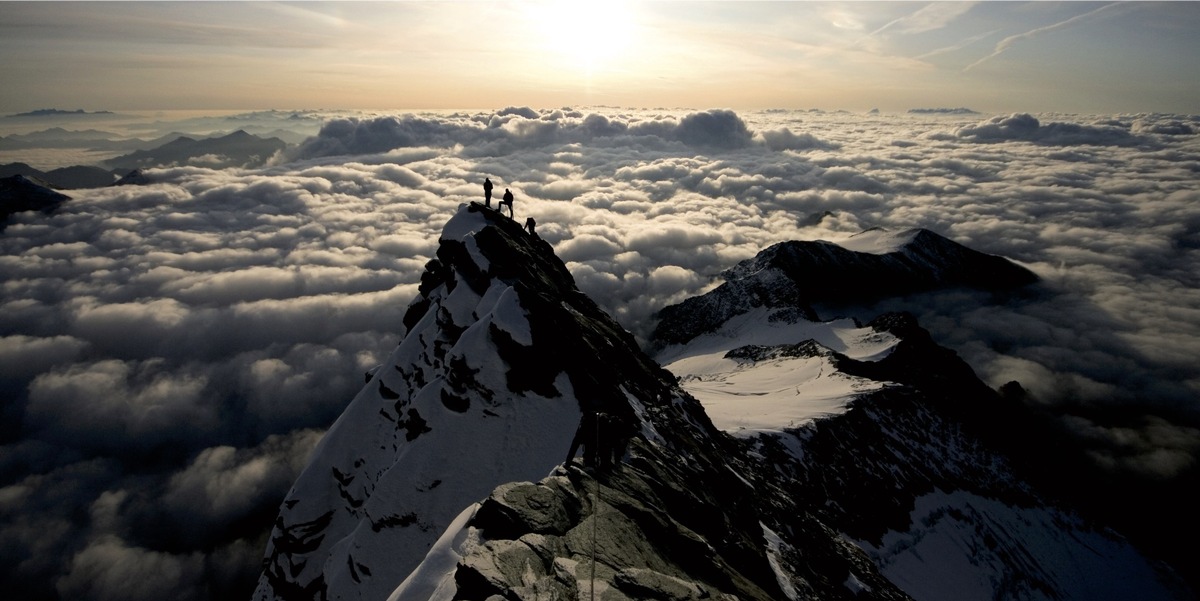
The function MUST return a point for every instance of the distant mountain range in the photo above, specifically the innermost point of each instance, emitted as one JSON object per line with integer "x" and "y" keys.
{"x": 59, "y": 113}
{"x": 238, "y": 149}
{"x": 65, "y": 178}
{"x": 92, "y": 139}
{"x": 944, "y": 111}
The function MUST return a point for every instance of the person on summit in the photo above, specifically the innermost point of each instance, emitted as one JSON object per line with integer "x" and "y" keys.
{"x": 507, "y": 200}
{"x": 487, "y": 192}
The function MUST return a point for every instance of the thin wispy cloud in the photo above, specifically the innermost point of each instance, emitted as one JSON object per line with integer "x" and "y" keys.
{"x": 1003, "y": 45}
{"x": 930, "y": 17}
{"x": 956, "y": 47}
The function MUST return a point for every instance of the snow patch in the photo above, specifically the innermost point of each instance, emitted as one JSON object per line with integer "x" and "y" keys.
{"x": 775, "y": 547}
{"x": 510, "y": 317}
{"x": 465, "y": 222}
{"x": 746, "y": 397}
{"x": 476, "y": 255}
{"x": 962, "y": 547}
{"x": 433, "y": 580}
{"x": 879, "y": 241}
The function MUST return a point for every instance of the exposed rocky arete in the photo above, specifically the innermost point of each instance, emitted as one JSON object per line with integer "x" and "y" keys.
{"x": 445, "y": 478}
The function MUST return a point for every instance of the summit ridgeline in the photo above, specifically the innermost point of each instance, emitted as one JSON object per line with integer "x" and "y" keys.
{"x": 451, "y": 474}
{"x": 501, "y": 359}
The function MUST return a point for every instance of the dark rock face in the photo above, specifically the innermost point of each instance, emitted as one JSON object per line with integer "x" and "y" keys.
{"x": 797, "y": 274}
{"x": 19, "y": 193}
{"x": 650, "y": 530}
{"x": 135, "y": 177}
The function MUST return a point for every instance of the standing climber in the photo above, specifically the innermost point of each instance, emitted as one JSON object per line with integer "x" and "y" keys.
{"x": 507, "y": 200}
{"x": 587, "y": 436}
{"x": 604, "y": 438}
{"x": 487, "y": 192}
{"x": 529, "y": 225}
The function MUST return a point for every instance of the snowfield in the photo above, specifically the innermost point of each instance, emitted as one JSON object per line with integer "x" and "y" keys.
{"x": 746, "y": 397}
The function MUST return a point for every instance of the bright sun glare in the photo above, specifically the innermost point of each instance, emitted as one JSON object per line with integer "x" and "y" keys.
{"x": 586, "y": 35}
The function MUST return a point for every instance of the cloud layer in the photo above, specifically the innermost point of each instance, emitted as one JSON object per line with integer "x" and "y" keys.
{"x": 170, "y": 353}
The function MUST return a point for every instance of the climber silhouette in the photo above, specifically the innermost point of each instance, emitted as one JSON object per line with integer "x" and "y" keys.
{"x": 603, "y": 437}
{"x": 586, "y": 435}
{"x": 529, "y": 225}
{"x": 507, "y": 200}
{"x": 487, "y": 192}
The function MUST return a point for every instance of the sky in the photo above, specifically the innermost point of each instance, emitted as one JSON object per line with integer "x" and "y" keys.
{"x": 1075, "y": 57}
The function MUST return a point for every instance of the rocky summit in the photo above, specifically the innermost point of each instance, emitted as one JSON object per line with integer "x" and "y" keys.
{"x": 453, "y": 473}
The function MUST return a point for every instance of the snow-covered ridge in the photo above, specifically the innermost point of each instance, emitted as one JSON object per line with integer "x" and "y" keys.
{"x": 500, "y": 358}
{"x": 377, "y": 492}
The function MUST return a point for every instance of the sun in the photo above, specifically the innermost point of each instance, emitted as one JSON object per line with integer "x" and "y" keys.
{"x": 586, "y": 35}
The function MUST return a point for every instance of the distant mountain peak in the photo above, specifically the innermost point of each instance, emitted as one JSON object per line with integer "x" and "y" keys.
{"x": 20, "y": 193}
{"x": 237, "y": 149}
{"x": 873, "y": 264}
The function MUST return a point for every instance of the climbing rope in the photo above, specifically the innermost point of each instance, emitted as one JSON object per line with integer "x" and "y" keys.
{"x": 595, "y": 499}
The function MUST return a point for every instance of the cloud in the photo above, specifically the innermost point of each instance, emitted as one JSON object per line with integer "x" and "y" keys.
{"x": 521, "y": 128}
{"x": 170, "y": 353}
{"x": 1026, "y": 127}
{"x": 26, "y": 356}
{"x": 225, "y": 484}
{"x": 930, "y": 17}
{"x": 784, "y": 139}
{"x": 109, "y": 569}
{"x": 116, "y": 407}
{"x": 715, "y": 128}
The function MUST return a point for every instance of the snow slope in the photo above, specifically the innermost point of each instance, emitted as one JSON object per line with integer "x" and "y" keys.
{"x": 959, "y": 549}
{"x": 747, "y": 393}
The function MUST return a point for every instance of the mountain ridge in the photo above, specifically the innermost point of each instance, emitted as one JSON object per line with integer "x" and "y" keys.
{"x": 236, "y": 149}
{"x": 801, "y": 273}
{"x": 444, "y": 478}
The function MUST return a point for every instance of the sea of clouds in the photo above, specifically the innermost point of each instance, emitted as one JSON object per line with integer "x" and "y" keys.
{"x": 170, "y": 353}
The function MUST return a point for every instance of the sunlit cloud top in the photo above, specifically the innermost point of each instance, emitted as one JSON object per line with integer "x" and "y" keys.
{"x": 995, "y": 56}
